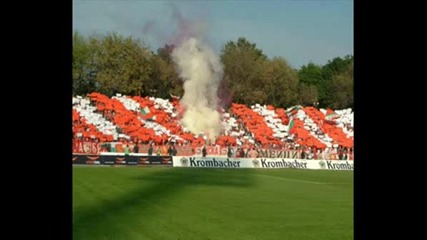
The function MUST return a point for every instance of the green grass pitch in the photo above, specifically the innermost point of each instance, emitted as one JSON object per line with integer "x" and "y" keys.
{"x": 200, "y": 204}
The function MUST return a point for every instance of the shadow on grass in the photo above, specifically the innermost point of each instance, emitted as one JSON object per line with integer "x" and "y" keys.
{"x": 113, "y": 219}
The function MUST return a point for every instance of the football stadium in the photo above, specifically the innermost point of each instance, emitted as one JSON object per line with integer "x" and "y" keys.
{"x": 190, "y": 142}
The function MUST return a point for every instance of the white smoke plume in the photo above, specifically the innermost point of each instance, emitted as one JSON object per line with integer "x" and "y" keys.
{"x": 201, "y": 71}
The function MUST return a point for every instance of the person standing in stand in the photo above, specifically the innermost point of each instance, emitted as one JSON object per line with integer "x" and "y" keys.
{"x": 315, "y": 153}
{"x": 127, "y": 150}
{"x": 174, "y": 150}
{"x": 229, "y": 151}
{"x": 158, "y": 150}
{"x": 242, "y": 152}
{"x": 204, "y": 151}
{"x": 135, "y": 148}
{"x": 253, "y": 153}
{"x": 170, "y": 150}
{"x": 150, "y": 150}
{"x": 340, "y": 152}
{"x": 302, "y": 154}
{"x": 345, "y": 152}
{"x": 164, "y": 150}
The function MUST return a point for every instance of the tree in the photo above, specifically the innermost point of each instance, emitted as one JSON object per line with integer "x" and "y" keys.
{"x": 330, "y": 70}
{"x": 242, "y": 63}
{"x": 343, "y": 87}
{"x": 164, "y": 79}
{"x": 113, "y": 63}
{"x": 308, "y": 94}
{"x": 280, "y": 82}
{"x": 123, "y": 65}
{"x": 336, "y": 66}
{"x": 311, "y": 74}
{"x": 84, "y": 65}
{"x": 165, "y": 72}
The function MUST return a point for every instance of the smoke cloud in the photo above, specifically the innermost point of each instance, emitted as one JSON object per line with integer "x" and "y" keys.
{"x": 201, "y": 71}
{"x": 198, "y": 66}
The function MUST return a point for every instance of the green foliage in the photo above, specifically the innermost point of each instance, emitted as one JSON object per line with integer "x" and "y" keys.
{"x": 164, "y": 79}
{"x": 343, "y": 87}
{"x": 114, "y": 63}
{"x": 280, "y": 82}
{"x": 242, "y": 67}
{"x": 311, "y": 74}
{"x": 320, "y": 79}
{"x": 330, "y": 70}
{"x": 84, "y": 64}
{"x": 336, "y": 66}
{"x": 123, "y": 65}
{"x": 308, "y": 94}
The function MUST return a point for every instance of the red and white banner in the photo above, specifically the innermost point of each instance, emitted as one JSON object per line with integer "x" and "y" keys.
{"x": 85, "y": 147}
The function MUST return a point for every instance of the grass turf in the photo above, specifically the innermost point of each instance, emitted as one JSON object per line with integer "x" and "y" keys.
{"x": 188, "y": 203}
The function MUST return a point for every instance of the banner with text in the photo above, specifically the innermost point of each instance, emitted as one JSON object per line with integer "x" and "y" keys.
{"x": 85, "y": 147}
{"x": 207, "y": 162}
{"x": 211, "y": 162}
{"x": 303, "y": 164}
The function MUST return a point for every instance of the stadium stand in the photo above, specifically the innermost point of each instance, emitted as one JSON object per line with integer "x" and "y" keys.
{"x": 135, "y": 119}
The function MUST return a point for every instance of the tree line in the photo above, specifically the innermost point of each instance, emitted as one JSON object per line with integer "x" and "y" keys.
{"x": 113, "y": 63}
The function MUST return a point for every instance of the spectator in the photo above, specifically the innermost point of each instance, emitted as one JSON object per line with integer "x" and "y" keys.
{"x": 150, "y": 150}
{"x": 204, "y": 151}
{"x": 174, "y": 151}
{"x": 242, "y": 152}
{"x": 237, "y": 152}
{"x": 303, "y": 153}
{"x": 315, "y": 156}
{"x": 229, "y": 151}
{"x": 253, "y": 153}
{"x": 345, "y": 154}
{"x": 127, "y": 150}
{"x": 164, "y": 150}
{"x": 340, "y": 153}
{"x": 170, "y": 151}
{"x": 158, "y": 151}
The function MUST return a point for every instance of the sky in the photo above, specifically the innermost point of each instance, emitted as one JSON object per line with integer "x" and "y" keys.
{"x": 300, "y": 31}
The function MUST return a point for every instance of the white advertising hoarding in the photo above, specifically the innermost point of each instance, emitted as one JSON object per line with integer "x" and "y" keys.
{"x": 221, "y": 162}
